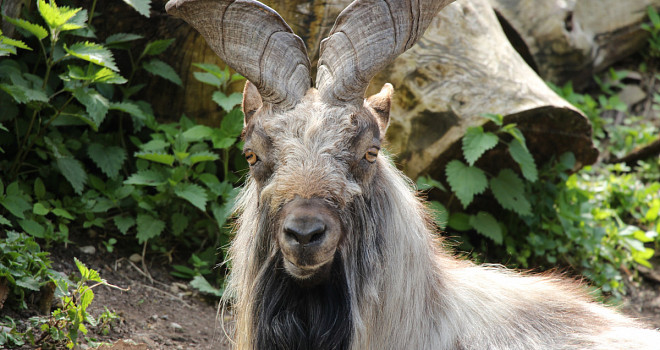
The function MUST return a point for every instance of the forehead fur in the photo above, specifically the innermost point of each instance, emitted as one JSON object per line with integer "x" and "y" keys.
{"x": 312, "y": 149}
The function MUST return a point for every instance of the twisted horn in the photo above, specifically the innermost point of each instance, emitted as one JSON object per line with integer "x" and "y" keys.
{"x": 254, "y": 40}
{"x": 367, "y": 36}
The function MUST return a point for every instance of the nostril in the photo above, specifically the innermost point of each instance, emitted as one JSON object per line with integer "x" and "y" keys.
{"x": 305, "y": 231}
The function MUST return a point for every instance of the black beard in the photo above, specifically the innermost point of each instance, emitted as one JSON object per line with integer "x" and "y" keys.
{"x": 291, "y": 315}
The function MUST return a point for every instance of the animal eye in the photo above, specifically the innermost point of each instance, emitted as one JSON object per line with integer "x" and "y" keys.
{"x": 251, "y": 157}
{"x": 371, "y": 154}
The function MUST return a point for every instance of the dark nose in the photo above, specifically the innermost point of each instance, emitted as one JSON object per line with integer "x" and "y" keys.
{"x": 304, "y": 229}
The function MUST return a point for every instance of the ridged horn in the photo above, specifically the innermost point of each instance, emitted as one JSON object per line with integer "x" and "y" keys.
{"x": 367, "y": 36}
{"x": 254, "y": 40}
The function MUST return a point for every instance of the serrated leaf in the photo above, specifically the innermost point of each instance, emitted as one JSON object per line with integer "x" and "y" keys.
{"x": 222, "y": 212}
{"x": 476, "y": 142}
{"x": 24, "y": 94}
{"x": 32, "y": 228}
{"x": 227, "y": 103}
{"x": 148, "y": 227}
{"x": 201, "y": 284}
{"x": 156, "y": 47}
{"x": 131, "y": 109}
{"x": 509, "y": 191}
{"x": 15, "y": 43}
{"x": 124, "y": 223}
{"x": 221, "y": 140}
{"x": 55, "y": 16}
{"x": 107, "y": 76}
{"x": 162, "y": 69}
{"x": 485, "y": 224}
{"x": 208, "y": 78}
{"x": 197, "y": 133}
{"x": 157, "y": 157}
{"x": 108, "y": 158}
{"x": 62, "y": 213}
{"x": 92, "y": 52}
{"x": 193, "y": 193}
{"x": 465, "y": 181}
{"x": 16, "y": 205}
{"x": 34, "y": 29}
{"x": 141, "y": 6}
{"x": 154, "y": 145}
{"x": 73, "y": 172}
{"x": 425, "y": 182}
{"x": 524, "y": 158}
{"x": 179, "y": 223}
{"x": 232, "y": 123}
{"x": 28, "y": 282}
{"x": 147, "y": 178}
{"x": 204, "y": 156}
{"x": 4, "y": 221}
{"x": 96, "y": 105}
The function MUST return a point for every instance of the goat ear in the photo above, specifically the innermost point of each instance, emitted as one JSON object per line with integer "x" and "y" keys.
{"x": 380, "y": 104}
{"x": 251, "y": 101}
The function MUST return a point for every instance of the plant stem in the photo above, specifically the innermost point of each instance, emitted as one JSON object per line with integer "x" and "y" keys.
{"x": 91, "y": 13}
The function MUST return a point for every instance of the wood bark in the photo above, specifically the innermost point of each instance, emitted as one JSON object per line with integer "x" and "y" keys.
{"x": 573, "y": 39}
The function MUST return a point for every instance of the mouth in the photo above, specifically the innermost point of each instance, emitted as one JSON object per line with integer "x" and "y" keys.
{"x": 309, "y": 275}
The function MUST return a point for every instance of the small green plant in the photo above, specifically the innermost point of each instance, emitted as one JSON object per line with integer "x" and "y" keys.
{"x": 24, "y": 268}
{"x": 65, "y": 325}
{"x": 653, "y": 27}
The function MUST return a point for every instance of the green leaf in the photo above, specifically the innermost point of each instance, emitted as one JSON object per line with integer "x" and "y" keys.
{"x": 147, "y": 178}
{"x": 39, "y": 188}
{"x": 197, "y": 133}
{"x": 227, "y": 102}
{"x": 131, "y": 109}
{"x": 24, "y": 94}
{"x": 425, "y": 182}
{"x": 73, "y": 172}
{"x": 34, "y": 29}
{"x": 87, "y": 273}
{"x": 96, "y": 105}
{"x": 4, "y": 221}
{"x": 162, "y": 69}
{"x": 39, "y": 209}
{"x": 108, "y": 158}
{"x": 193, "y": 193}
{"x": 156, "y": 47}
{"x": 148, "y": 227}
{"x": 121, "y": 40}
{"x": 141, "y": 6}
{"x": 459, "y": 221}
{"x": 465, "y": 181}
{"x": 124, "y": 223}
{"x": 439, "y": 213}
{"x": 232, "y": 123}
{"x": 204, "y": 156}
{"x": 498, "y": 119}
{"x": 524, "y": 158}
{"x": 485, "y": 224}
{"x": 107, "y": 76}
{"x": 62, "y": 213}
{"x": 509, "y": 191}
{"x": 201, "y": 284}
{"x": 32, "y": 228}
{"x": 55, "y": 16}
{"x": 16, "y": 205}
{"x": 28, "y": 282}
{"x": 15, "y": 43}
{"x": 208, "y": 78}
{"x": 157, "y": 157}
{"x": 94, "y": 53}
{"x": 221, "y": 140}
{"x": 179, "y": 223}
{"x": 476, "y": 142}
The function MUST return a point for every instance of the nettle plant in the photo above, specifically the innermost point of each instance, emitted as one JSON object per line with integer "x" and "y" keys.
{"x": 84, "y": 153}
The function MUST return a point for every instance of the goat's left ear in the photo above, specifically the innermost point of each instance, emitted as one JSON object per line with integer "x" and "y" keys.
{"x": 380, "y": 104}
{"x": 251, "y": 101}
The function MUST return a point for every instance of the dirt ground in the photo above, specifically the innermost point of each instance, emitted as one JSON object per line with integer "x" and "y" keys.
{"x": 167, "y": 314}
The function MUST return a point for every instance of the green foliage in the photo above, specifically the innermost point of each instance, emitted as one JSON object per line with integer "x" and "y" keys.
{"x": 81, "y": 150}
{"x": 653, "y": 27}
{"x": 24, "y": 268}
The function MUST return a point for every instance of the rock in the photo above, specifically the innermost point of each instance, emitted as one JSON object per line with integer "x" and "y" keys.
{"x": 88, "y": 249}
{"x": 176, "y": 327}
{"x": 135, "y": 258}
{"x": 632, "y": 94}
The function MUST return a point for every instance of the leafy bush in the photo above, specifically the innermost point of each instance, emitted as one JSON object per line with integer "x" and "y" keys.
{"x": 88, "y": 154}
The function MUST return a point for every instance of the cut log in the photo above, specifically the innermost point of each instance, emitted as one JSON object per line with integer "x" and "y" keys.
{"x": 462, "y": 68}
{"x": 572, "y": 40}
